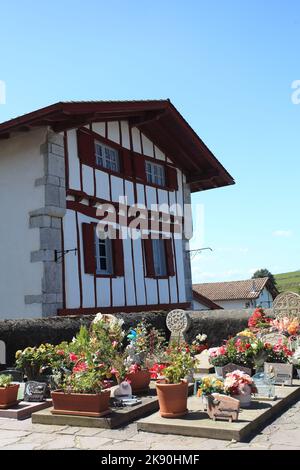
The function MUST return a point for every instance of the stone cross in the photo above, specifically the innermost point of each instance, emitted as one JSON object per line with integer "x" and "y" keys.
{"x": 177, "y": 322}
{"x": 287, "y": 304}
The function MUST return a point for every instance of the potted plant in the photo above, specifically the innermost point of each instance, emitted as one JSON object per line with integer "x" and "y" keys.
{"x": 278, "y": 366}
{"x": 145, "y": 345}
{"x": 82, "y": 393}
{"x": 218, "y": 358}
{"x": 8, "y": 391}
{"x": 259, "y": 320}
{"x": 240, "y": 386}
{"x": 208, "y": 386}
{"x": 172, "y": 391}
{"x": 32, "y": 361}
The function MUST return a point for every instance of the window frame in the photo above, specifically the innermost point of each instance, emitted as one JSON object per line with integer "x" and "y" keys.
{"x": 159, "y": 258}
{"x": 152, "y": 177}
{"x": 107, "y": 243}
{"x": 107, "y": 161}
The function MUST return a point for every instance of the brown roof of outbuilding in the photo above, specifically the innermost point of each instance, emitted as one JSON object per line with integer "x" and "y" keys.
{"x": 233, "y": 290}
{"x": 157, "y": 119}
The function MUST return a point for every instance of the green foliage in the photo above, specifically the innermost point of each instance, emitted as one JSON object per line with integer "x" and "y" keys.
{"x": 182, "y": 364}
{"x": 288, "y": 282}
{"x": 86, "y": 382}
{"x": 5, "y": 380}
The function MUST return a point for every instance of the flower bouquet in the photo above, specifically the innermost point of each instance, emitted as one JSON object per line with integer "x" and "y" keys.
{"x": 240, "y": 386}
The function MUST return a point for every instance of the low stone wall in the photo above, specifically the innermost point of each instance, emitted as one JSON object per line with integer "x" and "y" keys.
{"x": 18, "y": 334}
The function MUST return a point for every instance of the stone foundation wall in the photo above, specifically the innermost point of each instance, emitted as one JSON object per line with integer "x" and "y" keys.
{"x": 18, "y": 334}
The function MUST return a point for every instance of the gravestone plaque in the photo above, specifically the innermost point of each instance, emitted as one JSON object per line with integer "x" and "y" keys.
{"x": 232, "y": 367}
{"x": 287, "y": 304}
{"x": 177, "y": 322}
{"x": 35, "y": 391}
{"x": 279, "y": 374}
{"x": 222, "y": 407}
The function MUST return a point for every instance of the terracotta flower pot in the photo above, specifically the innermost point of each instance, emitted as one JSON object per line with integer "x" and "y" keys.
{"x": 84, "y": 404}
{"x": 139, "y": 380}
{"x": 8, "y": 395}
{"x": 172, "y": 399}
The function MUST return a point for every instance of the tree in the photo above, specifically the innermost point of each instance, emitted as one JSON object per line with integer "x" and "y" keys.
{"x": 266, "y": 273}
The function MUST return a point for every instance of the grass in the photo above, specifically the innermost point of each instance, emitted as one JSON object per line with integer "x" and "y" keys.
{"x": 288, "y": 282}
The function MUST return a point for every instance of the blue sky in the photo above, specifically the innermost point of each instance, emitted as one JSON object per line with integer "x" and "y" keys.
{"x": 227, "y": 66}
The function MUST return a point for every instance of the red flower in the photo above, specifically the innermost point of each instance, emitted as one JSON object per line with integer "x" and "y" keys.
{"x": 80, "y": 367}
{"x": 73, "y": 357}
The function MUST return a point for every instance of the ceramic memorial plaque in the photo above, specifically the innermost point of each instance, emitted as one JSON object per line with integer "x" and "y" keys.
{"x": 280, "y": 374}
{"x": 35, "y": 391}
{"x": 222, "y": 406}
{"x": 177, "y": 322}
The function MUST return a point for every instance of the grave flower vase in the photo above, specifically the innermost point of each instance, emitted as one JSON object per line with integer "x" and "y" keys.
{"x": 172, "y": 399}
{"x": 9, "y": 395}
{"x": 81, "y": 404}
{"x": 139, "y": 381}
{"x": 244, "y": 397}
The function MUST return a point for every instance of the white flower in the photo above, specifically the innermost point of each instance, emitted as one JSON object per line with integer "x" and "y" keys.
{"x": 98, "y": 317}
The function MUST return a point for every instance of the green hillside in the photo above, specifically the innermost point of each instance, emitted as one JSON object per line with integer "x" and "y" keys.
{"x": 288, "y": 281}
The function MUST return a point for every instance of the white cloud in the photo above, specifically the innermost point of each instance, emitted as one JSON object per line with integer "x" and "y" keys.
{"x": 282, "y": 233}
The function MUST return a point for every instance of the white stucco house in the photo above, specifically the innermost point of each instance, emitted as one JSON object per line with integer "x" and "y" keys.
{"x": 63, "y": 170}
{"x": 235, "y": 294}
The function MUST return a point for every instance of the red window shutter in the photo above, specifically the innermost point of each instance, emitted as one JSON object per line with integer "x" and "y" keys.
{"x": 86, "y": 147}
{"x": 127, "y": 162}
{"x": 148, "y": 253}
{"x": 88, "y": 234}
{"x": 118, "y": 255}
{"x": 139, "y": 167}
{"x": 169, "y": 257}
{"x": 172, "y": 180}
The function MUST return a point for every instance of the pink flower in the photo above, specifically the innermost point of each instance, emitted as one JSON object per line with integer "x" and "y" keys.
{"x": 114, "y": 344}
{"x": 73, "y": 357}
{"x": 114, "y": 371}
{"x": 80, "y": 367}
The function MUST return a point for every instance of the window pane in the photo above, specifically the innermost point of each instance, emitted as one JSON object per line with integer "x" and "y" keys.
{"x": 159, "y": 257}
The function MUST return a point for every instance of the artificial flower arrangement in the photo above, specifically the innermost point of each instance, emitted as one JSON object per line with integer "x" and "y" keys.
{"x": 240, "y": 385}
{"x": 237, "y": 351}
{"x": 209, "y": 385}
{"x": 145, "y": 348}
{"x": 259, "y": 320}
{"x": 199, "y": 344}
{"x": 287, "y": 326}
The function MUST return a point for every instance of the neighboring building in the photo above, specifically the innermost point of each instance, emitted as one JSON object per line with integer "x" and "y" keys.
{"x": 57, "y": 166}
{"x": 236, "y": 294}
{"x": 203, "y": 303}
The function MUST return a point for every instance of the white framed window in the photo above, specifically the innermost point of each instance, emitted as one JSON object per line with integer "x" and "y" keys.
{"x": 159, "y": 257}
{"x": 155, "y": 173}
{"x": 104, "y": 262}
{"x": 107, "y": 157}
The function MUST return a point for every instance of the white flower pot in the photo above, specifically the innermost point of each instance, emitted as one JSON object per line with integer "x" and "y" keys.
{"x": 218, "y": 371}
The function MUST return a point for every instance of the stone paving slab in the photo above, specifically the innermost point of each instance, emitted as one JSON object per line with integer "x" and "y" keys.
{"x": 24, "y": 409}
{"x": 197, "y": 424}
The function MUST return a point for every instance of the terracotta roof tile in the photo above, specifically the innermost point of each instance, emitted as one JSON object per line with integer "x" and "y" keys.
{"x": 233, "y": 290}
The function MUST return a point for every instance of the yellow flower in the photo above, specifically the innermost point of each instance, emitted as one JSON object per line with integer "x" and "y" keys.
{"x": 18, "y": 354}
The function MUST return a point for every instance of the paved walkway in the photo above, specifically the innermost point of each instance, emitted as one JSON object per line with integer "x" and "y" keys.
{"x": 284, "y": 433}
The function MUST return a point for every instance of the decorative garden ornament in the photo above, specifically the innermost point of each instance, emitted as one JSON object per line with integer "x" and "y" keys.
{"x": 123, "y": 390}
{"x": 177, "y": 322}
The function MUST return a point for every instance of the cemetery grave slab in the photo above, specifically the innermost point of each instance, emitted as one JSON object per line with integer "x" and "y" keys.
{"x": 24, "y": 409}
{"x": 197, "y": 424}
{"x": 117, "y": 418}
